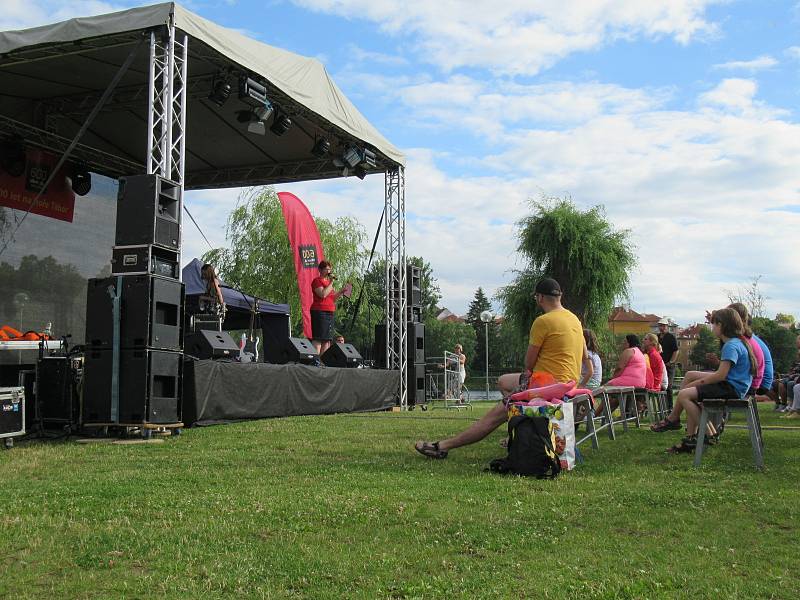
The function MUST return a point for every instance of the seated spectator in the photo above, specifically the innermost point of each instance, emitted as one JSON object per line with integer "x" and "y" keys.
{"x": 556, "y": 347}
{"x": 784, "y": 386}
{"x": 651, "y": 346}
{"x": 631, "y": 369}
{"x": 763, "y": 379}
{"x": 592, "y": 382}
{"x": 732, "y": 379}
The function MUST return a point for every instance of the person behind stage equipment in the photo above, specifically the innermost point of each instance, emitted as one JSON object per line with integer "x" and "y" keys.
{"x": 340, "y": 339}
{"x": 211, "y": 301}
{"x": 323, "y": 307}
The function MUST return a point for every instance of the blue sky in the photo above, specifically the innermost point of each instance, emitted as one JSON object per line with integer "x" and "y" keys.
{"x": 679, "y": 116}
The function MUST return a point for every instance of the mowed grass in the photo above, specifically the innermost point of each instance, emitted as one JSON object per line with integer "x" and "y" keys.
{"x": 342, "y": 507}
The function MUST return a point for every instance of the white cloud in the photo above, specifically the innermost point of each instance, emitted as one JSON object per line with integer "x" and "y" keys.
{"x": 522, "y": 36}
{"x": 757, "y": 64}
{"x": 22, "y": 14}
{"x": 793, "y": 52}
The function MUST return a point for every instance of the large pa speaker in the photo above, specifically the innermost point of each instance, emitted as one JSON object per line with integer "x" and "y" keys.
{"x": 148, "y": 211}
{"x": 54, "y": 398}
{"x": 275, "y": 333}
{"x": 415, "y": 376}
{"x": 300, "y": 350}
{"x": 413, "y": 285}
{"x": 415, "y": 344}
{"x": 151, "y": 312}
{"x": 342, "y": 355}
{"x": 207, "y": 343}
{"x": 149, "y": 386}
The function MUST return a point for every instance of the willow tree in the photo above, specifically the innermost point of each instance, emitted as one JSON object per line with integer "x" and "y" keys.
{"x": 259, "y": 259}
{"x": 578, "y": 248}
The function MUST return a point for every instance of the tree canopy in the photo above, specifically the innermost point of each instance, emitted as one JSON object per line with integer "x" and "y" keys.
{"x": 259, "y": 259}
{"x": 578, "y": 248}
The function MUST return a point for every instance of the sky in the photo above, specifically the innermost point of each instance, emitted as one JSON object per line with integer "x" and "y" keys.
{"x": 680, "y": 117}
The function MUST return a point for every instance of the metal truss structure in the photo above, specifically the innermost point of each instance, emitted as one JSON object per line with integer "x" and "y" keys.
{"x": 166, "y": 115}
{"x": 395, "y": 279}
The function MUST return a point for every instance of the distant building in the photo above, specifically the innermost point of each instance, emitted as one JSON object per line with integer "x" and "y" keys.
{"x": 687, "y": 338}
{"x": 624, "y": 321}
{"x": 446, "y": 315}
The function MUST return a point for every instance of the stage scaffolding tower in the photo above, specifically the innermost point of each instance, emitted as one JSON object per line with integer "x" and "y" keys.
{"x": 395, "y": 279}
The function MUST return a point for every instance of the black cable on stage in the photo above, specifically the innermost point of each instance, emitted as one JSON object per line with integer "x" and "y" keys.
{"x": 363, "y": 277}
{"x": 186, "y": 208}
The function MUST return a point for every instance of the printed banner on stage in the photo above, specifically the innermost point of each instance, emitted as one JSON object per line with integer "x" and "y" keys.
{"x": 307, "y": 249}
{"x": 57, "y": 202}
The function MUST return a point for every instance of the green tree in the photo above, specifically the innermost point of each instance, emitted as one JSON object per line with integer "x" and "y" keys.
{"x": 780, "y": 340}
{"x": 479, "y": 304}
{"x": 785, "y": 319}
{"x": 444, "y": 335}
{"x": 509, "y": 347}
{"x": 707, "y": 345}
{"x": 429, "y": 286}
{"x": 581, "y": 250}
{"x": 259, "y": 259}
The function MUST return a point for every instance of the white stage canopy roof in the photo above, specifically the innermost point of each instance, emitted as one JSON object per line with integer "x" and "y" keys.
{"x": 52, "y": 76}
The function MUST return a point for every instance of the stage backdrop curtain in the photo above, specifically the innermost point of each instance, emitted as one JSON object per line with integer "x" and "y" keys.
{"x": 307, "y": 249}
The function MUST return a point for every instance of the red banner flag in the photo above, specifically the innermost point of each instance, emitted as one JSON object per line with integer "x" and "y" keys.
{"x": 58, "y": 200}
{"x": 307, "y": 249}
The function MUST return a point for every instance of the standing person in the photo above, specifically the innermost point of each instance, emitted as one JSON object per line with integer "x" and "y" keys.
{"x": 556, "y": 347}
{"x": 211, "y": 301}
{"x": 591, "y": 382}
{"x": 323, "y": 307}
{"x": 669, "y": 354}
{"x": 462, "y": 370}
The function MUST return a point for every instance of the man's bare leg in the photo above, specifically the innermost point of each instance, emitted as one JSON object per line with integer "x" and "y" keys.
{"x": 479, "y": 429}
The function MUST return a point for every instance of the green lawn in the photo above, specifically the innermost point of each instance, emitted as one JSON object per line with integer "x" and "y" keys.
{"x": 342, "y": 507}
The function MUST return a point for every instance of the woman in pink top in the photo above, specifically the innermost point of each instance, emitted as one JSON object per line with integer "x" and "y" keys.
{"x": 631, "y": 369}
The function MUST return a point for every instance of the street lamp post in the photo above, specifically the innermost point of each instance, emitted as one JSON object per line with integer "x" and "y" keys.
{"x": 486, "y": 317}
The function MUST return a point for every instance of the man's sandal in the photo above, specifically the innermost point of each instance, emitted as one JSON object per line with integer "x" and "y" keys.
{"x": 430, "y": 449}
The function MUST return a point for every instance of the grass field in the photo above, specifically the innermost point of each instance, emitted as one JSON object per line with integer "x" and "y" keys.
{"x": 342, "y": 507}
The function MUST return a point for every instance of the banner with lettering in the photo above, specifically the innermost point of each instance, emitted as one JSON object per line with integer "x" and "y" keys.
{"x": 58, "y": 200}
{"x": 307, "y": 249}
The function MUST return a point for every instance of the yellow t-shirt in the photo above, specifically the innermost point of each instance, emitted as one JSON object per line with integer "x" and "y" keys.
{"x": 559, "y": 335}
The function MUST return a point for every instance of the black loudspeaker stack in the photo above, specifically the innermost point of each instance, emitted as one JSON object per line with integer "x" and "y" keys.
{"x": 342, "y": 356}
{"x": 145, "y": 292}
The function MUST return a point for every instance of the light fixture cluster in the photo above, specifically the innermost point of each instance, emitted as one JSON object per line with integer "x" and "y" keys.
{"x": 14, "y": 161}
{"x": 356, "y": 160}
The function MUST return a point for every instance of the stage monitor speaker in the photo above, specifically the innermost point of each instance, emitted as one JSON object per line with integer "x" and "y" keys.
{"x": 342, "y": 355}
{"x": 148, "y": 211}
{"x": 275, "y": 333}
{"x": 149, "y": 386}
{"x": 416, "y": 384}
{"x": 300, "y": 350}
{"x": 54, "y": 398}
{"x": 413, "y": 285}
{"x": 151, "y": 313}
{"x": 206, "y": 344}
{"x": 416, "y": 342}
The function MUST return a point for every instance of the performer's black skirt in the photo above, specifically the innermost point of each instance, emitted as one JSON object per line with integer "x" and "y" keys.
{"x": 321, "y": 325}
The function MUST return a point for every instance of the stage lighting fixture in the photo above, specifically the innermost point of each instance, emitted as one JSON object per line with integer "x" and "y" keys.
{"x": 351, "y": 156}
{"x": 220, "y": 92}
{"x": 12, "y": 157}
{"x": 81, "y": 179}
{"x": 368, "y": 158}
{"x": 264, "y": 112}
{"x": 281, "y": 124}
{"x": 252, "y": 92}
{"x": 321, "y": 147}
{"x": 360, "y": 172}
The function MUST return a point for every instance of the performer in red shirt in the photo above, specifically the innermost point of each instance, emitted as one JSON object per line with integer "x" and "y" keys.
{"x": 324, "y": 306}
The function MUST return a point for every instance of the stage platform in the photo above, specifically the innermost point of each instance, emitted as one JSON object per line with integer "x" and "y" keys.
{"x": 221, "y": 391}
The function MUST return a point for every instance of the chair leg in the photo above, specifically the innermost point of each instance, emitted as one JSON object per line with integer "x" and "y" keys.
{"x": 758, "y": 457}
{"x": 701, "y": 437}
{"x": 754, "y": 405}
{"x": 623, "y": 410}
{"x": 590, "y": 427}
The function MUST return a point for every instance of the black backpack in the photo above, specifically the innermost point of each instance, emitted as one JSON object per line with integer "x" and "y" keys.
{"x": 531, "y": 449}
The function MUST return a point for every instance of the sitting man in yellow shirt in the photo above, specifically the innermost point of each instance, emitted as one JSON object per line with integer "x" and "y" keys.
{"x": 556, "y": 346}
